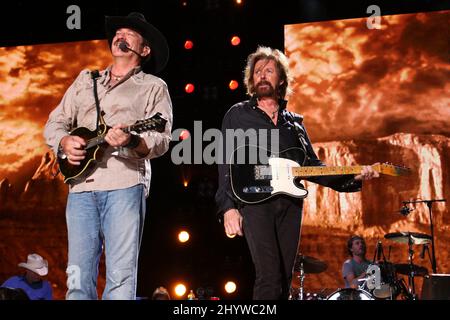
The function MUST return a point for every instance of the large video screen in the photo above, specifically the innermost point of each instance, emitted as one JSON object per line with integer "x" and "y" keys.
{"x": 374, "y": 95}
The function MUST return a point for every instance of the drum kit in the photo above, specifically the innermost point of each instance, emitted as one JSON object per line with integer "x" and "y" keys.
{"x": 381, "y": 281}
{"x": 304, "y": 265}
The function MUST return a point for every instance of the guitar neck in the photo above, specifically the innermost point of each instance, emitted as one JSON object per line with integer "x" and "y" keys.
{"x": 101, "y": 138}
{"x": 325, "y": 171}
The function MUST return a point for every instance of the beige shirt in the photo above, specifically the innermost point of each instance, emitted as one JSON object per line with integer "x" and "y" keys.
{"x": 137, "y": 96}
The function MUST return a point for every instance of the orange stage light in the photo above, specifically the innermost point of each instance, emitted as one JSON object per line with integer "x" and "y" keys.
{"x": 180, "y": 289}
{"x": 233, "y": 85}
{"x": 230, "y": 286}
{"x": 183, "y": 236}
{"x": 235, "y": 40}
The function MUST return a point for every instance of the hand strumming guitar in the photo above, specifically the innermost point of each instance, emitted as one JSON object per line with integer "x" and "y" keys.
{"x": 73, "y": 148}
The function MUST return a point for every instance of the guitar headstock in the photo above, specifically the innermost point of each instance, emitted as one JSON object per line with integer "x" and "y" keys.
{"x": 155, "y": 123}
{"x": 392, "y": 170}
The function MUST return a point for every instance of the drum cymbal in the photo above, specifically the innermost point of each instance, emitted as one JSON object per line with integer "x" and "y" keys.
{"x": 310, "y": 264}
{"x": 404, "y": 268}
{"x": 405, "y": 237}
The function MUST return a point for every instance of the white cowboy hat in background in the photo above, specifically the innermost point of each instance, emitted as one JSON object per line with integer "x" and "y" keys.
{"x": 36, "y": 264}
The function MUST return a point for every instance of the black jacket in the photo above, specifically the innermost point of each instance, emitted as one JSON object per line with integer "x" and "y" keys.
{"x": 292, "y": 133}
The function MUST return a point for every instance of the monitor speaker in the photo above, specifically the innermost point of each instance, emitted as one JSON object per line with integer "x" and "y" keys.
{"x": 436, "y": 287}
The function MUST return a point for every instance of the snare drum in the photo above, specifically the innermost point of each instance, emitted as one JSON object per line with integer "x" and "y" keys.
{"x": 350, "y": 294}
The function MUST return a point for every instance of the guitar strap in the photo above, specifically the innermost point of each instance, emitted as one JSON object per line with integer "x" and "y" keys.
{"x": 95, "y": 75}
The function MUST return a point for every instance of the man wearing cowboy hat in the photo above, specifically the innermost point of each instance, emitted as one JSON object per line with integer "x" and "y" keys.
{"x": 31, "y": 282}
{"x": 106, "y": 207}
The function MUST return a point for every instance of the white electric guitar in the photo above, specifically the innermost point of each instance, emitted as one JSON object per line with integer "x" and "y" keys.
{"x": 253, "y": 182}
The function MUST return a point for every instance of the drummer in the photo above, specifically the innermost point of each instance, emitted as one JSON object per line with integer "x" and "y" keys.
{"x": 354, "y": 269}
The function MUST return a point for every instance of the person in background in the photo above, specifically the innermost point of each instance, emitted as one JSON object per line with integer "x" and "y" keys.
{"x": 160, "y": 293}
{"x": 355, "y": 268}
{"x": 32, "y": 282}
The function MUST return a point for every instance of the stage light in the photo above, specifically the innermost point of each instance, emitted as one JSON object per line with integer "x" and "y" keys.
{"x": 238, "y": 1}
{"x": 188, "y": 44}
{"x": 183, "y": 236}
{"x": 180, "y": 289}
{"x": 233, "y": 85}
{"x": 230, "y": 287}
{"x": 189, "y": 88}
{"x": 235, "y": 40}
{"x": 184, "y": 134}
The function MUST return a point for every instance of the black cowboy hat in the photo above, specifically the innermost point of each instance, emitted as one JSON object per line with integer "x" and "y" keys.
{"x": 159, "y": 54}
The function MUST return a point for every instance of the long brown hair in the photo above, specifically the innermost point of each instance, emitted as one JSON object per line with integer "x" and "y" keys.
{"x": 281, "y": 62}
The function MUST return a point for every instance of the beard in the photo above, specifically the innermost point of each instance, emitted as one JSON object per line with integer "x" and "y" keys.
{"x": 265, "y": 89}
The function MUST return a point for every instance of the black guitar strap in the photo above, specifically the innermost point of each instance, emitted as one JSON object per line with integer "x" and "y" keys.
{"x": 94, "y": 75}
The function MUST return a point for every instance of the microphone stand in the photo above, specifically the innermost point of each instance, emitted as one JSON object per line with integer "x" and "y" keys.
{"x": 429, "y": 204}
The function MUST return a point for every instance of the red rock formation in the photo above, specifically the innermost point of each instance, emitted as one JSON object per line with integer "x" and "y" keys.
{"x": 46, "y": 188}
{"x": 5, "y": 186}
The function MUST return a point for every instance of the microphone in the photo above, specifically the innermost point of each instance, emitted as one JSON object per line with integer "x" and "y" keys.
{"x": 424, "y": 248}
{"x": 404, "y": 211}
{"x": 125, "y": 48}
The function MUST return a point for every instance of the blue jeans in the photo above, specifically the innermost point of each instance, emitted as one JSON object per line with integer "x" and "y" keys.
{"x": 113, "y": 219}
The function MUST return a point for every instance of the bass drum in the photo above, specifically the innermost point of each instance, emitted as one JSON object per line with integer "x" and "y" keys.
{"x": 350, "y": 294}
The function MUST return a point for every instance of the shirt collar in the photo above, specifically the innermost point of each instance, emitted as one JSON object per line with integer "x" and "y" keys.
{"x": 107, "y": 73}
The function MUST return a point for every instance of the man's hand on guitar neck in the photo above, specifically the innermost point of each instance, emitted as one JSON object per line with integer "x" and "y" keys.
{"x": 232, "y": 221}
{"x": 368, "y": 173}
{"x": 115, "y": 137}
{"x": 73, "y": 148}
